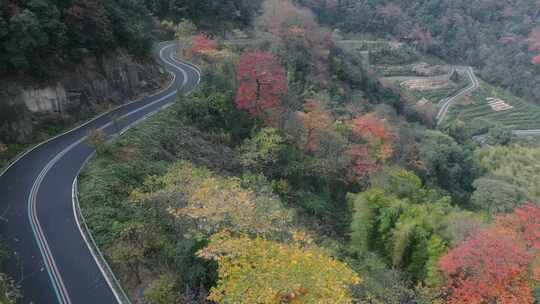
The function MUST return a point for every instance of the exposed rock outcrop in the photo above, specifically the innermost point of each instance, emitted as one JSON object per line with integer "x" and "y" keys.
{"x": 30, "y": 110}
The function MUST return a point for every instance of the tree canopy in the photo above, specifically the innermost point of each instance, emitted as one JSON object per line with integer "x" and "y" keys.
{"x": 262, "y": 271}
{"x": 499, "y": 263}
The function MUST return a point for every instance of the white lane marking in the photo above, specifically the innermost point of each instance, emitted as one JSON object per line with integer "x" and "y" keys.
{"x": 93, "y": 249}
{"x": 20, "y": 156}
{"x": 50, "y": 264}
{"x": 44, "y": 248}
{"x": 76, "y": 208}
{"x": 197, "y": 69}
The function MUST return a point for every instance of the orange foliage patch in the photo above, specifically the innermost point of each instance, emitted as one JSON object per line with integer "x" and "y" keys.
{"x": 498, "y": 264}
{"x": 315, "y": 121}
{"x": 202, "y": 45}
{"x": 536, "y": 59}
{"x": 369, "y": 157}
{"x": 296, "y": 30}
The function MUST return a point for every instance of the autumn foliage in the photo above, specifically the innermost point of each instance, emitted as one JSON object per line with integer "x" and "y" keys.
{"x": 202, "y": 45}
{"x": 298, "y": 38}
{"x": 498, "y": 264}
{"x": 262, "y": 82}
{"x": 315, "y": 121}
{"x": 376, "y": 146}
{"x": 263, "y": 271}
{"x": 534, "y": 44}
{"x": 213, "y": 203}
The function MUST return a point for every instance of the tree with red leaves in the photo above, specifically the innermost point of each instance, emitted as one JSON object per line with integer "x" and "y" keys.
{"x": 368, "y": 156}
{"x": 534, "y": 44}
{"x": 369, "y": 127}
{"x": 262, "y": 83}
{"x": 374, "y": 130}
{"x": 299, "y": 40}
{"x": 315, "y": 121}
{"x": 362, "y": 162}
{"x": 202, "y": 45}
{"x": 498, "y": 264}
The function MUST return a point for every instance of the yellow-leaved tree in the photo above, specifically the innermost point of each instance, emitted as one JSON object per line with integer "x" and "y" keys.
{"x": 267, "y": 272}
{"x": 215, "y": 203}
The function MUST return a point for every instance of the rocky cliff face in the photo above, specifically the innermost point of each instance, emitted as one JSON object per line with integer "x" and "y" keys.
{"x": 30, "y": 111}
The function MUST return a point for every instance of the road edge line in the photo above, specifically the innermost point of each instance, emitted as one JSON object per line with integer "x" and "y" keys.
{"x": 85, "y": 231}
{"x": 34, "y": 147}
{"x": 99, "y": 258}
{"x": 48, "y": 259}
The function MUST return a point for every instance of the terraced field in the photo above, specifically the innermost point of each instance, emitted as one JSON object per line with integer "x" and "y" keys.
{"x": 396, "y": 63}
{"x": 523, "y": 115}
{"x": 436, "y": 95}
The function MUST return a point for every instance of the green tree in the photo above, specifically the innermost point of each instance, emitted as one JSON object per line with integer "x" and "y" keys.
{"x": 185, "y": 29}
{"x": 515, "y": 165}
{"x": 131, "y": 25}
{"x": 26, "y": 36}
{"x": 403, "y": 183}
{"x": 496, "y": 196}
{"x": 9, "y": 293}
{"x": 97, "y": 139}
{"x": 261, "y": 151}
{"x": 408, "y": 228}
{"x": 448, "y": 165}
{"x": 162, "y": 290}
{"x": 457, "y": 129}
{"x": 49, "y": 17}
{"x": 89, "y": 26}
{"x": 380, "y": 283}
{"x": 135, "y": 246}
{"x": 499, "y": 135}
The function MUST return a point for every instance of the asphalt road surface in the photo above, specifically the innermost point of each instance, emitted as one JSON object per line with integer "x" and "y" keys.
{"x": 49, "y": 258}
{"x": 475, "y": 83}
{"x": 446, "y": 103}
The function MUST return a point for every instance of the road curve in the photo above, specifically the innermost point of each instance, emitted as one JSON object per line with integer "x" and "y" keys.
{"x": 475, "y": 83}
{"x": 49, "y": 257}
{"x": 447, "y": 102}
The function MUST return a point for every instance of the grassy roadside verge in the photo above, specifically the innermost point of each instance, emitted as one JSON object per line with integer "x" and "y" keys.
{"x": 106, "y": 183}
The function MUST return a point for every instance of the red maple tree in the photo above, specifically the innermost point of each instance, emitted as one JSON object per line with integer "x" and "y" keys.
{"x": 498, "y": 264}
{"x": 202, "y": 45}
{"x": 262, "y": 82}
{"x": 536, "y": 59}
{"x": 374, "y": 130}
{"x": 369, "y": 127}
{"x": 369, "y": 156}
{"x": 362, "y": 162}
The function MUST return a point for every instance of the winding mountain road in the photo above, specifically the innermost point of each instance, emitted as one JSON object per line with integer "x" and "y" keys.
{"x": 447, "y": 102}
{"x": 50, "y": 258}
{"x": 475, "y": 83}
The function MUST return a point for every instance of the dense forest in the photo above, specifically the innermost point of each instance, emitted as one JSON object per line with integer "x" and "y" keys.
{"x": 500, "y": 38}
{"x": 293, "y": 174}
{"x": 316, "y": 159}
{"x": 36, "y": 35}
